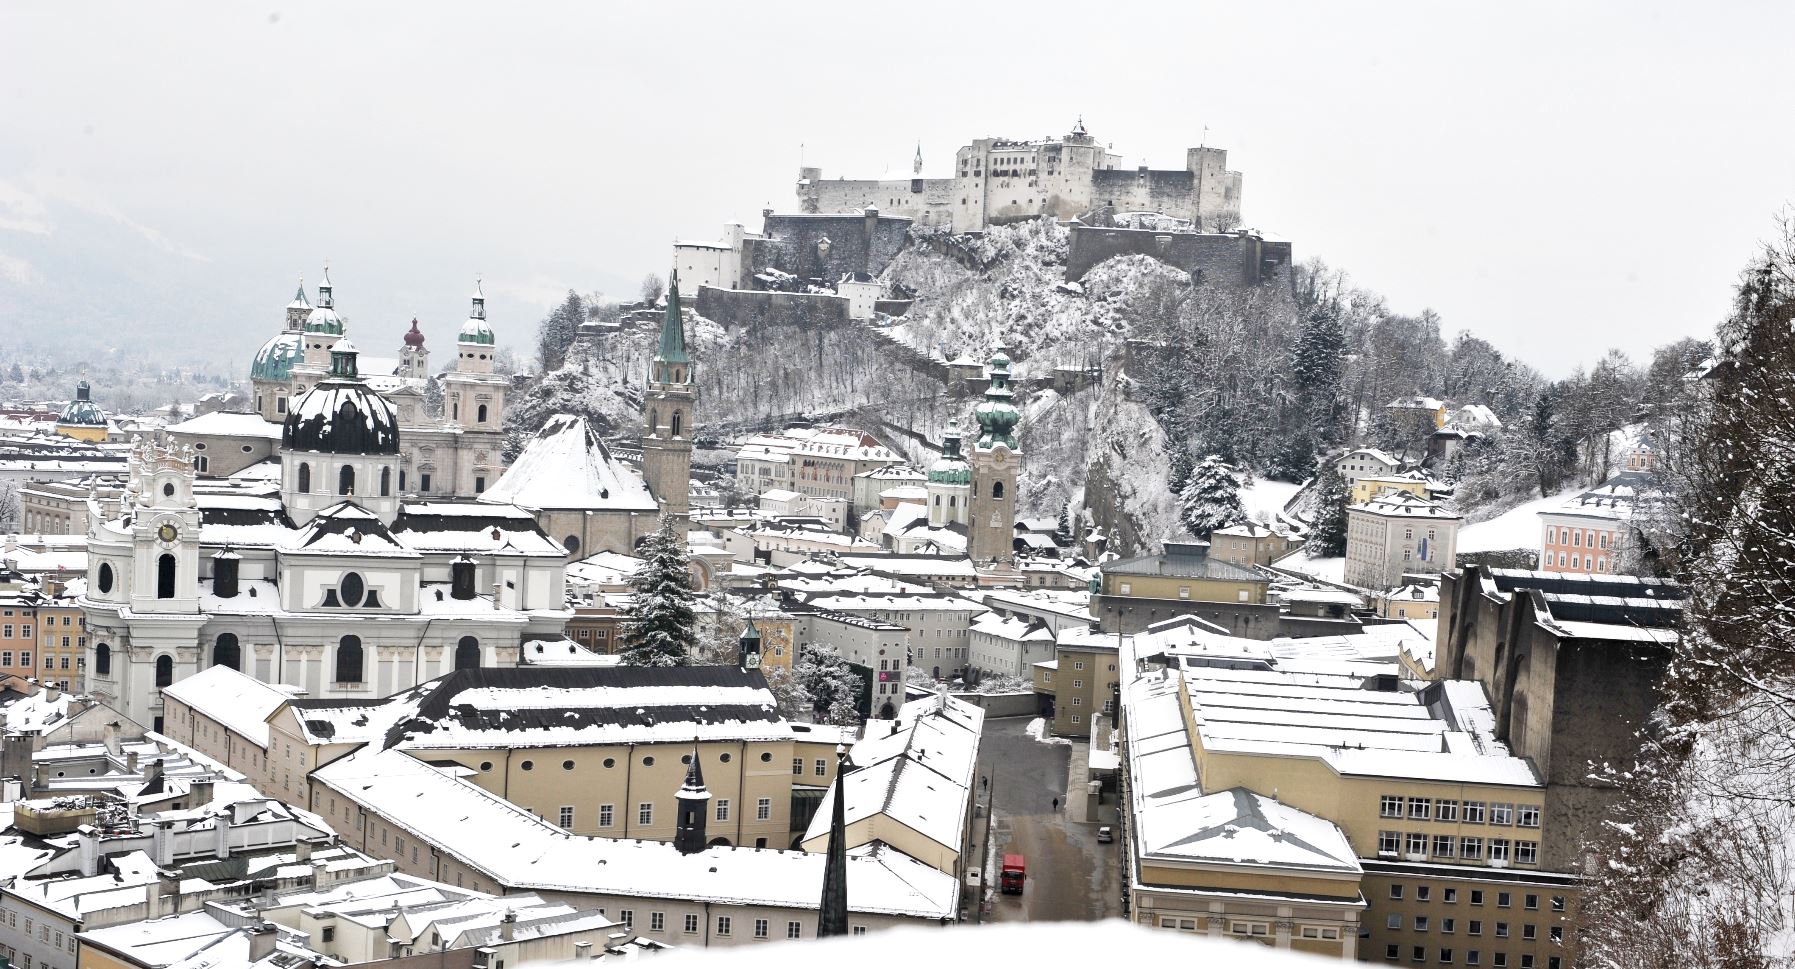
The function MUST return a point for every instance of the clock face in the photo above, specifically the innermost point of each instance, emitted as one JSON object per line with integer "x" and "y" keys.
{"x": 753, "y": 660}
{"x": 167, "y": 532}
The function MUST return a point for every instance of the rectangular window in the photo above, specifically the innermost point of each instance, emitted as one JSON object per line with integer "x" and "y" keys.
{"x": 1420, "y": 808}
{"x": 1392, "y": 951}
{"x": 1445, "y": 957}
{"x": 797, "y": 766}
{"x": 761, "y": 928}
{"x": 628, "y": 917}
{"x": 1417, "y": 843}
{"x": 1389, "y": 842}
{"x": 1392, "y": 921}
{"x": 763, "y": 809}
{"x": 722, "y": 809}
{"x": 1445, "y": 810}
{"x": 645, "y": 812}
{"x": 1473, "y": 812}
{"x": 1470, "y": 849}
{"x": 657, "y": 921}
{"x": 1498, "y": 849}
{"x": 1424, "y": 893}
{"x": 1474, "y": 927}
{"x": 1527, "y": 816}
{"x": 1501, "y": 930}
{"x": 1530, "y": 901}
{"x": 1503, "y": 899}
{"x": 1529, "y": 932}
{"x": 1526, "y": 852}
{"x": 691, "y": 924}
{"x": 1451, "y": 896}
{"x": 566, "y": 816}
{"x": 1558, "y": 903}
{"x": 1421, "y": 923}
{"x": 1443, "y": 845}
{"x": 1502, "y": 814}
{"x": 1473, "y": 957}
{"x": 606, "y": 815}
{"x": 794, "y": 930}
{"x": 822, "y": 767}
{"x": 724, "y": 924}
{"x": 1447, "y": 925}
{"x": 1389, "y": 806}
{"x": 1395, "y": 889}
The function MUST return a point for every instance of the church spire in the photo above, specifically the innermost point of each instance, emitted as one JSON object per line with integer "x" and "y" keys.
{"x": 832, "y": 916}
{"x": 694, "y": 802}
{"x": 916, "y": 167}
{"x": 673, "y": 328}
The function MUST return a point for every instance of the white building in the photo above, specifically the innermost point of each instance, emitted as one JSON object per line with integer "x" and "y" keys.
{"x": 715, "y": 264}
{"x": 336, "y": 587}
{"x": 1009, "y": 646}
{"x": 1366, "y": 462}
{"x": 1395, "y": 533}
{"x": 821, "y": 462}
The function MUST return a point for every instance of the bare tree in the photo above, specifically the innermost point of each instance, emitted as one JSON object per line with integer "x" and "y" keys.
{"x": 652, "y": 288}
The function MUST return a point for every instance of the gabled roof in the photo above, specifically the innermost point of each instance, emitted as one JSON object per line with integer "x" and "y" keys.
{"x": 566, "y": 465}
{"x": 241, "y": 704}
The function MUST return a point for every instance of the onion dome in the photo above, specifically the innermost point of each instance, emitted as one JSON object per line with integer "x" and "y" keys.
{"x": 951, "y": 467}
{"x": 342, "y": 415}
{"x": 414, "y": 337}
{"x": 997, "y": 416}
{"x": 475, "y": 329}
{"x": 275, "y": 360}
{"x": 323, "y": 319}
{"x": 82, "y": 411}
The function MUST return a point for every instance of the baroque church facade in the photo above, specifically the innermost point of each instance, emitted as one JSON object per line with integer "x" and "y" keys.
{"x": 455, "y": 450}
{"x": 340, "y": 585}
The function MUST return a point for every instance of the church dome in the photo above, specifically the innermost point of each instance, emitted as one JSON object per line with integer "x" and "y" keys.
{"x": 475, "y": 330}
{"x": 275, "y": 360}
{"x": 341, "y": 416}
{"x": 82, "y": 411}
{"x": 951, "y": 468}
{"x": 414, "y": 337}
{"x": 324, "y": 320}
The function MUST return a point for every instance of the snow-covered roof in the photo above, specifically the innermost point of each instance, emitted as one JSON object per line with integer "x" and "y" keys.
{"x": 228, "y": 424}
{"x": 241, "y": 704}
{"x": 566, "y": 465}
{"x": 834, "y": 442}
{"x": 524, "y": 852}
{"x": 1404, "y": 504}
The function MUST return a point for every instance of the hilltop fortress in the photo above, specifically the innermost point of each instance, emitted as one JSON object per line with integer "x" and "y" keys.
{"x": 996, "y": 180}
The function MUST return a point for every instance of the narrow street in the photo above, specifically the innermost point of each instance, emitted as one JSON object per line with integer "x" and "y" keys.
{"x": 1070, "y": 876}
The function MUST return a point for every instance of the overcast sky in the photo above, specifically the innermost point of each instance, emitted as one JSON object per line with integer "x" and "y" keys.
{"x": 1558, "y": 178}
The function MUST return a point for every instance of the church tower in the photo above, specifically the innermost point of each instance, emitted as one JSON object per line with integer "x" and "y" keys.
{"x": 996, "y": 460}
{"x": 950, "y": 482}
{"x": 474, "y": 403}
{"x": 694, "y": 801}
{"x": 414, "y": 358}
{"x": 322, "y": 329}
{"x": 672, "y": 397}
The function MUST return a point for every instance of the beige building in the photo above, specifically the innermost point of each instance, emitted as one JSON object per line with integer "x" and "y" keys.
{"x": 1396, "y": 533}
{"x": 1409, "y": 601}
{"x": 1250, "y": 543}
{"x": 819, "y": 462}
{"x": 1444, "y": 827}
{"x": 1366, "y": 488}
{"x": 1083, "y": 679}
{"x": 1185, "y": 579}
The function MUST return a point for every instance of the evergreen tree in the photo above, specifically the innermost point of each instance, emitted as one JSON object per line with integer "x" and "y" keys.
{"x": 1327, "y": 537}
{"x": 1315, "y": 371}
{"x": 1210, "y": 499}
{"x": 659, "y": 629}
{"x": 558, "y": 329}
{"x": 833, "y": 687}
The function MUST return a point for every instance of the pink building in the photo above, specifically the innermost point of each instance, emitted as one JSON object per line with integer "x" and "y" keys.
{"x": 1591, "y": 533}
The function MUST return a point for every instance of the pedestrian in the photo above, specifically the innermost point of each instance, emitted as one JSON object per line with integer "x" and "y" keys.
{"x": 1056, "y": 804}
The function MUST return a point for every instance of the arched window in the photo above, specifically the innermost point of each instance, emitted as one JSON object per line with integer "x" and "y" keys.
{"x": 997, "y": 490}
{"x": 102, "y": 660}
{"x": 480, "y": 414}
{"x": 305, "y": 479}
{"x": 467, "y": 654}
{"x": 165, "y": 671}
{"x": 386, "y": 482}
{"x": 226, "y": 652}
{"x": 654, "y": 419}
{"x": 676, "y": 422}
{"x": 165, "y": 576}
{"x": 349, "y": 660}
{"x": 346, "y": 480}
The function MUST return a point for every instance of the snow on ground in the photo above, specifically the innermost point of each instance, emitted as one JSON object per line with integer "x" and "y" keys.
{"x": 1265, "y": 498}
{"x": 1037, "y": 729}
{"x": 1011, "y": 943}
{"x": 1326, "y": 569}
{"x": 1516, "y": 528}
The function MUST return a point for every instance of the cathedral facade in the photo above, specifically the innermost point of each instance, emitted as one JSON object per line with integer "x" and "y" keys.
{"x": 341, "y": 586}
{"x": 453, "y": 447}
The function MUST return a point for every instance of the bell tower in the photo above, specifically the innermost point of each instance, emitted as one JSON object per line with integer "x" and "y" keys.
{"x": 164, "y": 530}
{"x": 996, "y": 461}
{"x": 672, "y": 397}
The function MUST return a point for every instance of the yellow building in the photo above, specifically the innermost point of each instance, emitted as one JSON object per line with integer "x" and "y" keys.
{"x": 1185, "y": 579}
{"x": 1411, "y": 601}
{"x": 1364, "y": 489}
{"x": 1083, "y": 680}
{"x": 1444, "y": 825}
{"x": 62, "y": 635}
{"x": 82, "y": 419}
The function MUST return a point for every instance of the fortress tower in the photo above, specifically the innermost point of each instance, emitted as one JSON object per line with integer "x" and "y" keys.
{"x": 672, "y": 398}
{"x": 996, "y": 461}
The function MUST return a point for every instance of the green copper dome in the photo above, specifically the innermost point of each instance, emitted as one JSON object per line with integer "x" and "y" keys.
{"x": 274, "y": 361}
{"x": 475, "y": 329}
{"x": 951, "y": 468}
{"x": 324, "y": 320}
{"x": 997, "y": 416}
{"x": 82, "y": 411}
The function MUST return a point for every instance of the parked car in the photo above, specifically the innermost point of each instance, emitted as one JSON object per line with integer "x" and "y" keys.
{"x": 1105, "y": 835}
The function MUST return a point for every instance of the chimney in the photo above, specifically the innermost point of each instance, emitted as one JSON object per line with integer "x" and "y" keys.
{"x": 498, "y": 590}
{"x": 131, "y": 762}
{"x": 302, "y": 852}
{"x": 162, "y": 848}
{"x": 261, "y": 941}
{"x": 508, "y": 926}
{"x": 110, "y": 737}
{"x": 52, "y": 693}
{"x": 320, "y": 878}
{"x": 88, "y": 839}
{"x": 200, "y": 792}
{"x": 167, "y": 897}
{"x": 221, "y": 827}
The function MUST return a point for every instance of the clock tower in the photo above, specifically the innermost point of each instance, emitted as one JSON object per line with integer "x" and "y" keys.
{"x": 164, "y": 530}
{"x": 996, "y": 462}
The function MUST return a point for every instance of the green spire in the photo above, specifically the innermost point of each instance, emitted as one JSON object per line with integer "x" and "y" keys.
{"x": 673, "y": 328}
{"x": 998, "y": 416}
